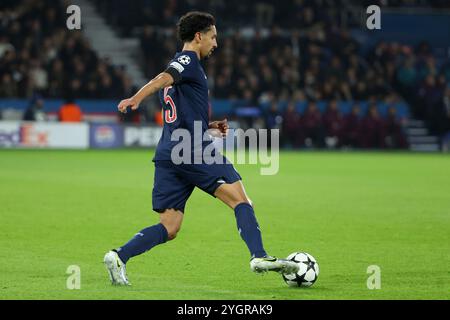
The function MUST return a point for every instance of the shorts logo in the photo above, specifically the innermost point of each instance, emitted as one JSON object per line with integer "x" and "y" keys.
{"x": 184, "y": 59}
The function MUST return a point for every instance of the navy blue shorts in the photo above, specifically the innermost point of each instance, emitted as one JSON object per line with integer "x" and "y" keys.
{"x": 174, "y": 184}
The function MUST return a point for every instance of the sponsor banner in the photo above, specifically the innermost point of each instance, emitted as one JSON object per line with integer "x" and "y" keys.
{"x": 105, "y": 136}
{"x": 44, "y": 135}
{"x": 141, "y": 136}
{"x": 9, "y": 134}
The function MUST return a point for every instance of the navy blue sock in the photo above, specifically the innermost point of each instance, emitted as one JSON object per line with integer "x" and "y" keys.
{"x": 249, "y": 229}
{"x": 143, "y": 241}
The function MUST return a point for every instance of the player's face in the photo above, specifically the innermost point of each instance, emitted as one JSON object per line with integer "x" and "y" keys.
{"x": 208, "y": 42}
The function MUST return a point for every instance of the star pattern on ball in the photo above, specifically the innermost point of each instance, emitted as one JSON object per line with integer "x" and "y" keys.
{"x": 309, "y": 264}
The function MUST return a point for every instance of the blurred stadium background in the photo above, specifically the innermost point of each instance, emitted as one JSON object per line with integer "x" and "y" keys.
{"x": 309, "y": 68}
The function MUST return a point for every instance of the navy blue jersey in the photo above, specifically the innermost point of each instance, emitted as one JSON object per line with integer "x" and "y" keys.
{"x": 184, "y": 102}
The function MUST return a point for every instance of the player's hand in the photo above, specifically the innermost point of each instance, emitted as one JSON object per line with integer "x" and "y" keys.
{"x": 124, "y": 104}
{"x": 219, "y": 128}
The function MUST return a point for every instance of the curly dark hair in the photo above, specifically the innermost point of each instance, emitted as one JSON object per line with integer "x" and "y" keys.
{"x": 193, "y": 22}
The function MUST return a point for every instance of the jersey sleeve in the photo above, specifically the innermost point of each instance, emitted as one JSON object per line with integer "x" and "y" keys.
{"x": 181, "y": 69}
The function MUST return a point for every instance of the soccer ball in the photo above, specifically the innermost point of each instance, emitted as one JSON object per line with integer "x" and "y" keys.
{"x": 307, "y": 273}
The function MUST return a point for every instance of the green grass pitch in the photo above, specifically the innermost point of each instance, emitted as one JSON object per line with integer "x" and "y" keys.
{"x": 349, "y": 210}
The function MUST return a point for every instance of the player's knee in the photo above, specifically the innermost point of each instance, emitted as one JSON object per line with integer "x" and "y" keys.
{"x": 244, "y": 200}
{"x": 172, "y": 234}
{"x": 172, "y": 222}
{"x": 236, "y": 199}
{"x": 172, "y": 231}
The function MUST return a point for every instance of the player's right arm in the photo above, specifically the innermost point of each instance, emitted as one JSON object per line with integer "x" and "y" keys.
{"x": 162, "y": 80}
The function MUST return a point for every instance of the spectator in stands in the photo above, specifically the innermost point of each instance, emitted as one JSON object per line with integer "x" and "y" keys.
{"x": 153, "y": 55}
{"x": 351, "y": 135}
{"x": 407, "y": 75}
{"x": 35, "y": 110}
{"x": 312, "y": 126}
{"x": 8, "y": 87}
{"x": 440, "y": 117}
{"x": 333, "y": 123}
{"x": 70, "y": 112}
{"x": 273, "y": 120}
{"x": 273, "y": 117}
{"x": 291, "y": 130}
{"x": 5, "y": 45}
{"x": 427, "y": 67}
{"x": 394, "y": 136}
{"x": 430, "y": 98}
{"x": 360, "y": 91}
{"x": 38, "y": 75}
{"x": 56, "y": 78}
{"x": 106, "y": 89}
{"x": 372, "y": 129}
{"x": 221, "y": 87}
{"x": 446, "y": 111}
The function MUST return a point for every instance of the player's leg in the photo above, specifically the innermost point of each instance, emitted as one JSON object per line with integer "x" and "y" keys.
{"x": 234, "y": 196}
{"x": 167, "y": 229}
{"x": 224, "y": 182}
{"x": 169, "y": 191}
{"x": 171, "y": 219}
{"x": 144, "y": 240}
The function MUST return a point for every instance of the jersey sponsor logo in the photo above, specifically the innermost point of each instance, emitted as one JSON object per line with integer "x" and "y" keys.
{"x": 177, "y": 66}
{"x": 184, "y": 59}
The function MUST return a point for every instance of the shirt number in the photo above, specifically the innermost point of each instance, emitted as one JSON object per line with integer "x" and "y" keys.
{"x": 169, "y": 115}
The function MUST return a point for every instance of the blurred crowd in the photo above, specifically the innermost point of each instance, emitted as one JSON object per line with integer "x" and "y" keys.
{"x": 333, "y": 129}
{"x": 39, "y": 54}
{"x": 419, "y": 78}
{"x": 127, "y": 15}
{"x": 311, "y": 68}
